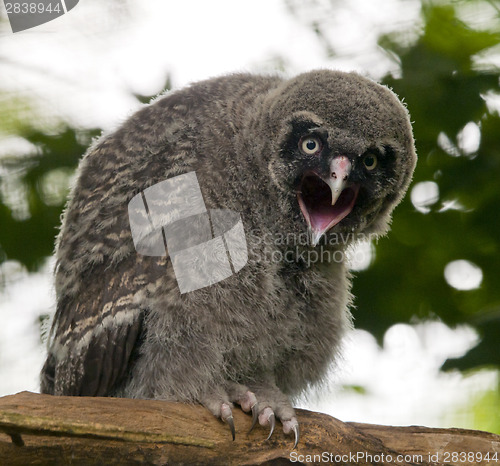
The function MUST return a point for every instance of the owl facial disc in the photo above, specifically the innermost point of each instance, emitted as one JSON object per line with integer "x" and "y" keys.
{"x": 326, "y": 201}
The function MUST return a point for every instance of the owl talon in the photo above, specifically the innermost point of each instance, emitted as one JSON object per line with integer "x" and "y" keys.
{"x": 230, "y": 422}
{"x": 292, "y": 425}
{"x": 227, "y": 416}
{"x": 272, "y": 423}
{"x": 296, "y": 431}
{"x": 255, "y": 416}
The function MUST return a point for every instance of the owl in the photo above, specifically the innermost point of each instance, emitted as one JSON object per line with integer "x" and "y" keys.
{"x": 309, "y": 166}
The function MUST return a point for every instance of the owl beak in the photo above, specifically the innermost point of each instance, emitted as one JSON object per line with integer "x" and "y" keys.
{"x": 325, "y": 201}
{"x": 340, "y": 169}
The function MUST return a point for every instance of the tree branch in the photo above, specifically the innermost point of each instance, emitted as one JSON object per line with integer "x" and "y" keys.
{"x": 43, "y": 429}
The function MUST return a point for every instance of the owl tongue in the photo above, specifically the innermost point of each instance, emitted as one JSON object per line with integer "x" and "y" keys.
{"x": 315, "y": 200}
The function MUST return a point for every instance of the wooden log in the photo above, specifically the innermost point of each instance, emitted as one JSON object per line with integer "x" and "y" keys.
{"x": 43, "y": 429}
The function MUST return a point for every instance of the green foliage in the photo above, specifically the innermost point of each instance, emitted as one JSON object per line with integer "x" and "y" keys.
{"x": 485, "y": 411}
{"x": 444, "y": 90}
{"x": 30, "y": 220}
{"x": 479, "y": 412}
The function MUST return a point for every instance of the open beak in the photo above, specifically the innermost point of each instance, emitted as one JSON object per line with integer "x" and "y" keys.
{"x": 325, "y": 201}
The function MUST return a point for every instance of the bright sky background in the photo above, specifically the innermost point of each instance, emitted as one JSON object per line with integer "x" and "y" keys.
{"x": 83, "y": 66}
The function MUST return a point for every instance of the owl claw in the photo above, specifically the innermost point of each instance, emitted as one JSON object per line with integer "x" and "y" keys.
{"x": 230, "y": 422}
{"x": 296, "y": 431}
{"x": 227, "y": 416}
{"x": 272, "y": 423}
{"x": 292, "y": 425}
{"x": 255, "y": 416}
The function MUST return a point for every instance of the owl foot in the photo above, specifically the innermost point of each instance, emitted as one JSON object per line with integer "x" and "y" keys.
{"x": 267, "y": 405}
{"x": 248, "y": 402}
{"x": 220, "y": 404}
{"x": 267, "y": 417}
{"x": 262, "y": 412}
{"x": 272, "y": 405}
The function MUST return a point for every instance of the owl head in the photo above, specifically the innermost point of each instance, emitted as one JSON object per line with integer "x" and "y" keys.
{"x": 341, "y": 152}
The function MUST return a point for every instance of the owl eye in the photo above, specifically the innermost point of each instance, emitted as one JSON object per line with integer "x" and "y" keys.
{"x": 310, "y": 145}
{"x": 370, "y": 161}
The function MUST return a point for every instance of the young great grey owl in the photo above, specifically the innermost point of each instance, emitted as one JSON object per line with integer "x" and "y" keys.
{"x": 309, "y": 164}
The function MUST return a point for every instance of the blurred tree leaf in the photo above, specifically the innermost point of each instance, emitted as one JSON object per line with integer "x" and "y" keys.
{"x": 444, "y": 91}
{"x": 479, "y": 412}
{"x": 440, "y": 84}
{"x": 30, "y": 239}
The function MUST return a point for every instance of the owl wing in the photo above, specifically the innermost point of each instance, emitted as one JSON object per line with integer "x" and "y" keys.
{"x": 95, "y": 336}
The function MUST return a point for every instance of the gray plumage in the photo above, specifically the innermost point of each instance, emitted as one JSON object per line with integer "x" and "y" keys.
{"x": 272, "y": 150}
